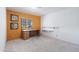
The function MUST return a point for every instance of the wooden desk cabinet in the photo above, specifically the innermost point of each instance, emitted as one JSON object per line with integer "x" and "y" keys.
{"x": 27, "y": 34}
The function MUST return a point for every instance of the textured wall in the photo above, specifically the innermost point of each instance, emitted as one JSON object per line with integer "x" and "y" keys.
{"x": 68, "y": 22}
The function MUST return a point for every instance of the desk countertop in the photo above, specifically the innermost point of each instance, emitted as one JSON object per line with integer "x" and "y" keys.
{"x": 28, "y": 29}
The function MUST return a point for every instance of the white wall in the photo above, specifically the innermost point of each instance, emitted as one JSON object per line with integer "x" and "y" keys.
{"x": 2, "y": 28}
{"x": 68, "y": 22}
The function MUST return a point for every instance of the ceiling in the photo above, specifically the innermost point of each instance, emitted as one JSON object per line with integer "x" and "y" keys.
{"x": 36, "y": 11}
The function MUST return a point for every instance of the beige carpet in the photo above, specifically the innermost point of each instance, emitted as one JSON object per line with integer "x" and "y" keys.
{"x": 40, "y": 44}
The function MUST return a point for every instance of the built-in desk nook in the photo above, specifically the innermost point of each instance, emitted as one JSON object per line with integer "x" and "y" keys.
{"x": 29, "y": 33}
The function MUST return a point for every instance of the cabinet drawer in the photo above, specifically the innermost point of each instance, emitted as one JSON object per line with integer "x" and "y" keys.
{"x": 25, "y": 35}
{"x": 33, "y": 33}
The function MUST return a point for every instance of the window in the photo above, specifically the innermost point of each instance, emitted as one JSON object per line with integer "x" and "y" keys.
{"x": 26, "y": 23}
